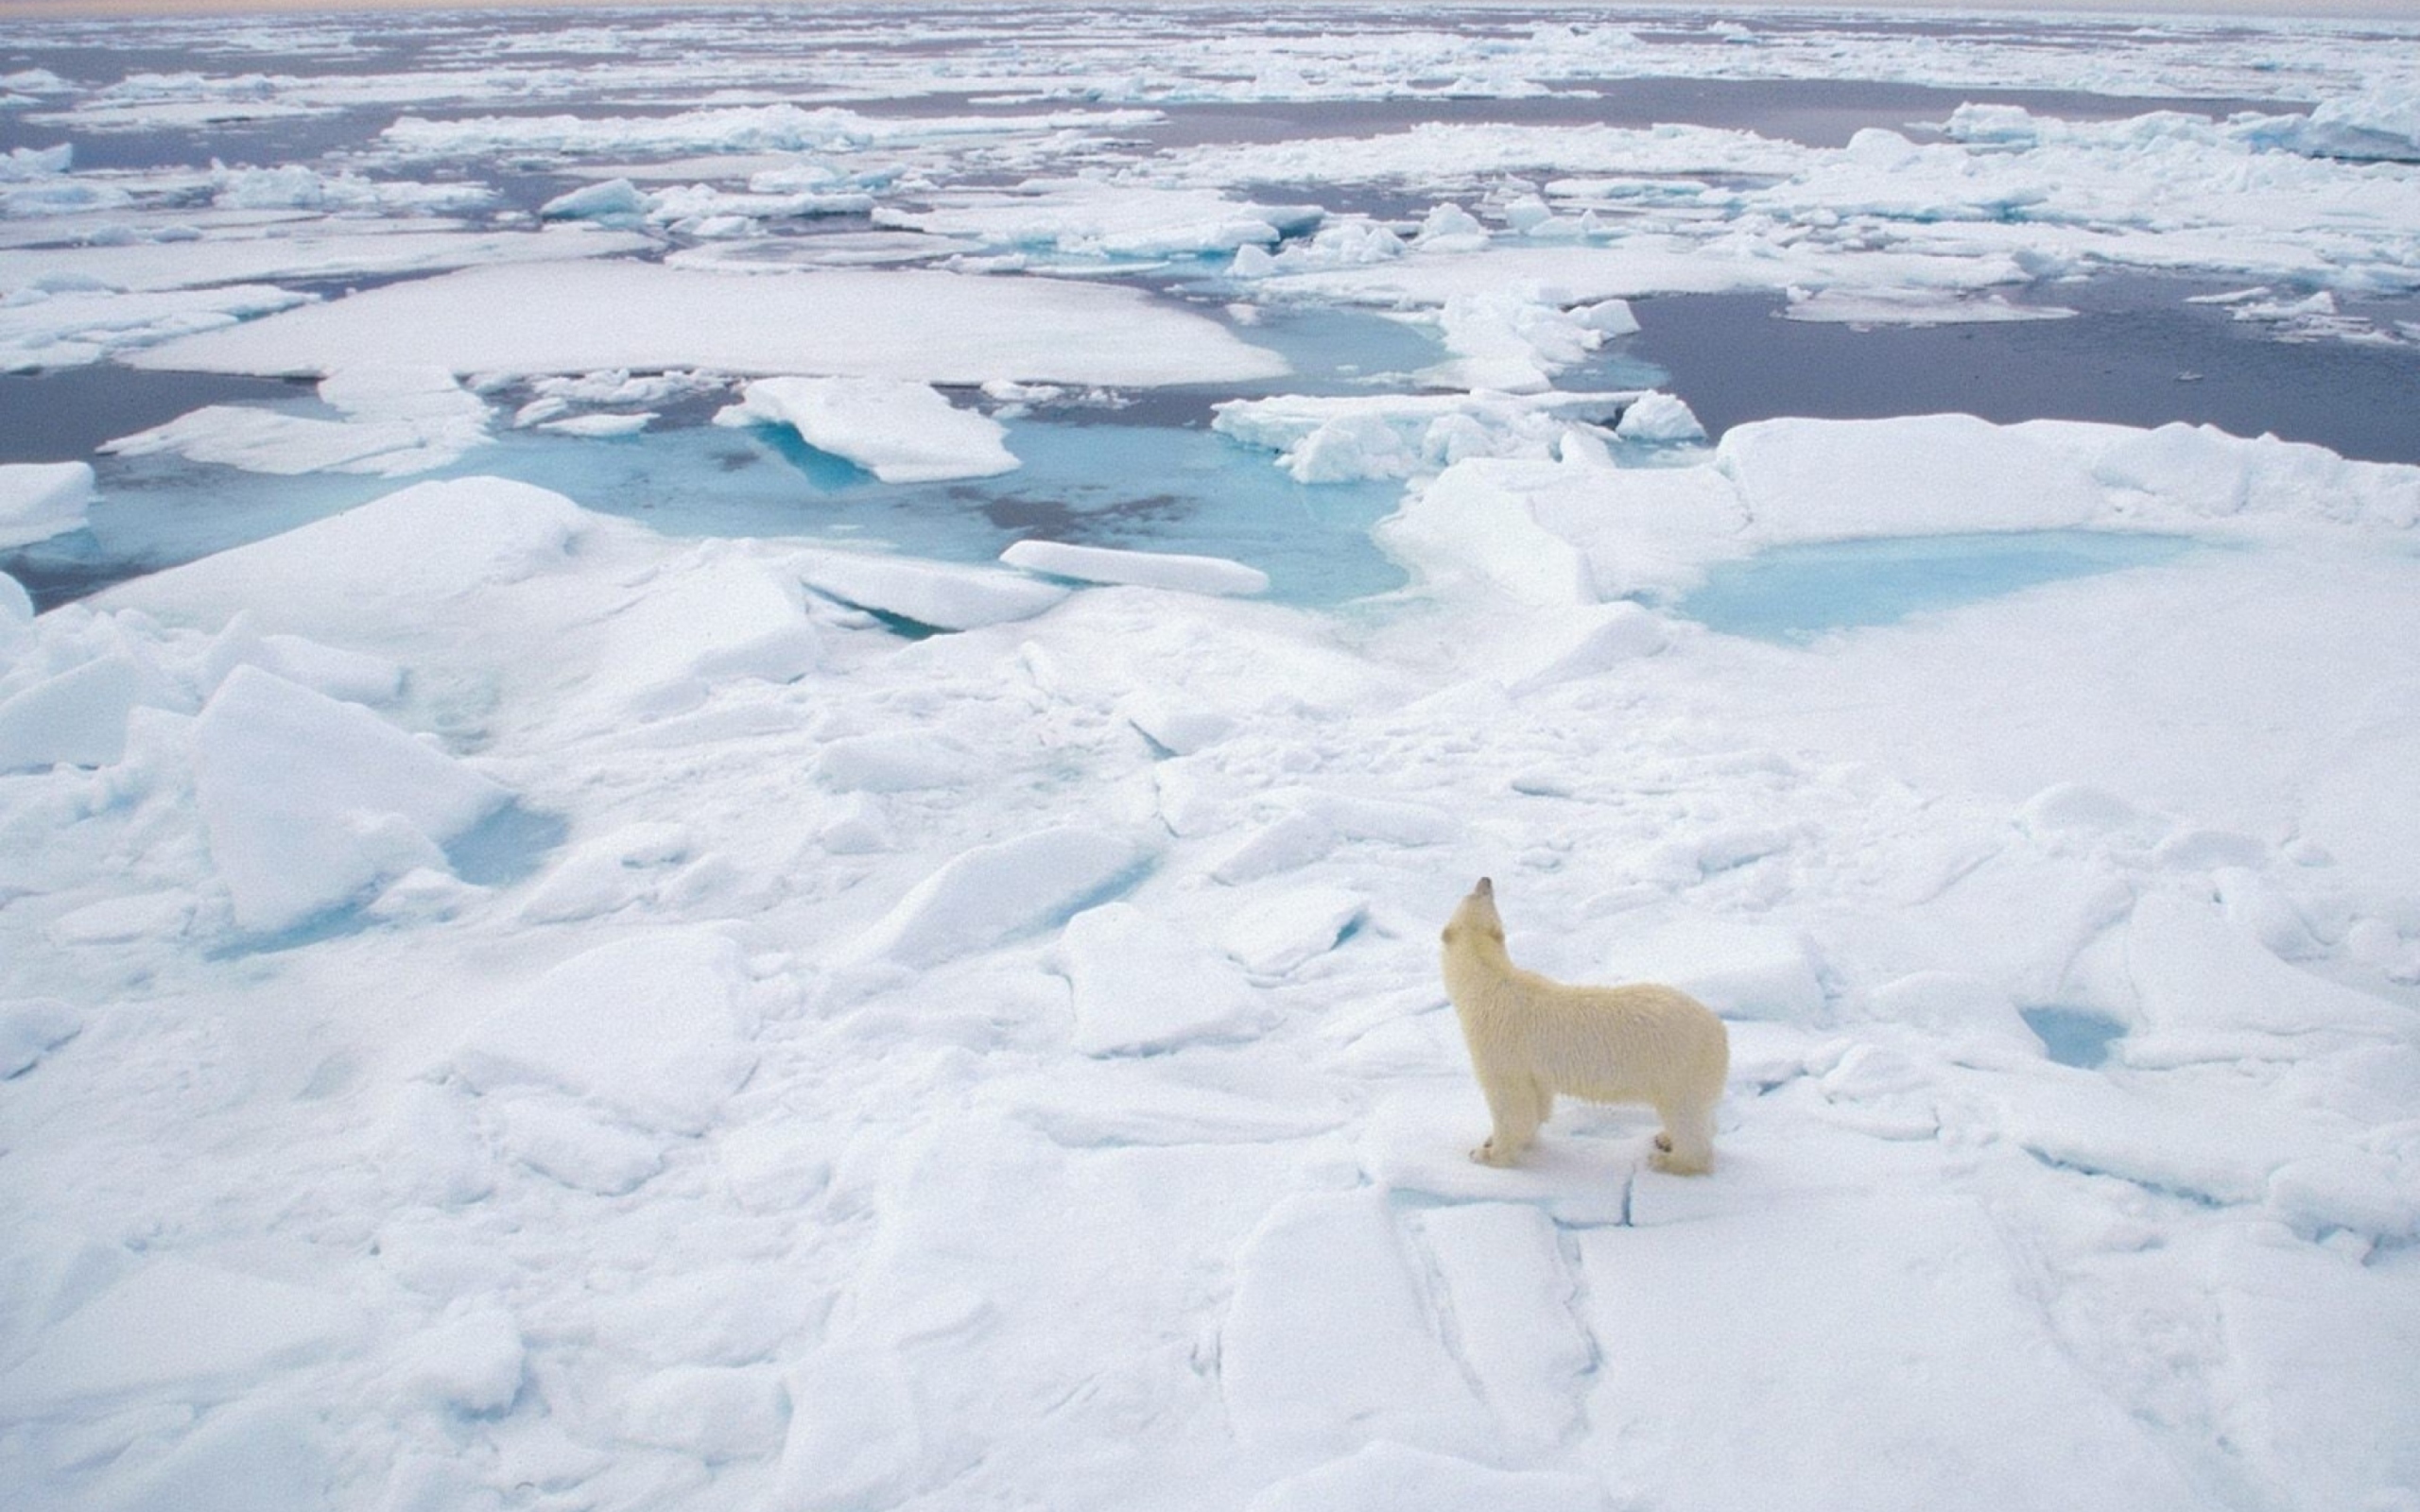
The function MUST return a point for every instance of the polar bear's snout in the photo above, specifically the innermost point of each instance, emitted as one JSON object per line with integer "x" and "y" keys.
{"x": 1532, "y": 1038}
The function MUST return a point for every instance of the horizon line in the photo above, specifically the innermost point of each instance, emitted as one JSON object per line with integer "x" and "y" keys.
{"x": 2284, "y": 12}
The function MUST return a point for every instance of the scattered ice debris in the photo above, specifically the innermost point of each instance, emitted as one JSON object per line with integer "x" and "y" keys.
{"x": 1344, "y": 439}
{"x": 38, "y": 500}
{"x": 900, "y": 431}
{"x": 397, "y": 422}
{"x": 76, "y": 322}
{"x": 1090, "y": 219}
{"x": 1176, "y": 571}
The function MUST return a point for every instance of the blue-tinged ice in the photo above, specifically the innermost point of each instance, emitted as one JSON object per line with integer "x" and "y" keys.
{"x": 1796, "y": 592}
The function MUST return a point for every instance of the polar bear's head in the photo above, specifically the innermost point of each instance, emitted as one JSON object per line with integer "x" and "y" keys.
{"x": 1475, "y": 919}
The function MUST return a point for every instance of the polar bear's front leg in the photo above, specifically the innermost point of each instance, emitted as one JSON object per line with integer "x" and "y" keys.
{"x": 1517, "y": 1106}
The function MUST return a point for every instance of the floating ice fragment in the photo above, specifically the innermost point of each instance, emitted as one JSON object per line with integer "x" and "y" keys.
{"x": 614, "y": 202}
{"x": 1145, "y": 569}
{"x": 928, "y": 595}
{"x": 75, "y": 327}
{"x": 901, "y": 432}
{"x": 398, "y": 422}
{"x": 1659, "y": 417}
{"x": 38, "y": 500}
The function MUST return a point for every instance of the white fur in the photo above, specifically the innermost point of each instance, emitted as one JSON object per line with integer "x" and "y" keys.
{"x": 1530, "y": 1038}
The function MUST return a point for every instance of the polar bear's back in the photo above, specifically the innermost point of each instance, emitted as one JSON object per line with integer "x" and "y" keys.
{"x": 1642, "y": 1042}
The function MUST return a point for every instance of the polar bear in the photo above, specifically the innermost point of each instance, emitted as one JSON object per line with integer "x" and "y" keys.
{"x": 1530, "y": 1038}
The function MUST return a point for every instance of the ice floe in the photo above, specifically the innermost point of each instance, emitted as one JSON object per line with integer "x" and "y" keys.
{"x": 917, "y": 326}
{"x": 899, "y": 430}
{"x": 38, "y": 500}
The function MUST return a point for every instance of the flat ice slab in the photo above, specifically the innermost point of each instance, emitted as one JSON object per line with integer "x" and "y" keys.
{"x": 923, "y": 326}
{"x": 896, "y": 429}
{"x": 1140, "y": 569}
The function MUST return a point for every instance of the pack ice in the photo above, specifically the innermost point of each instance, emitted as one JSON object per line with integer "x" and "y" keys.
{"x": 898, "y": 1075}
{"x": 504, "y": 1007}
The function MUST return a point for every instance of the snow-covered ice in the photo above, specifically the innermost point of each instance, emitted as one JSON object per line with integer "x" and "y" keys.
{"x": 38, "y": 500}
{"x": 898, "y": 430}
{"x": 503, "y": 1004}
{"x": 919, "y": 326}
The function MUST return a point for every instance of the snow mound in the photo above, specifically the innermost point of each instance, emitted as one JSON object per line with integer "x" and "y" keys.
{"x": 1140, "y": 569}
{"x": 310, "y": 803}
{"x": 934, "y": 595}
{"x": 38, "y": 500}
{"x": 653, "y": 1029}
{"x": 1390, "y": 1477}
{"x": 901, "y": 432}
{"x": 200, "y": 1330}
{"x": 994, "y": 893}
{"x": 1141, "y": 985}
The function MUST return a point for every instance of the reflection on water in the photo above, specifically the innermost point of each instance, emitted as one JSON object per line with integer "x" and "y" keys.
{"x": 1794, "y": 593}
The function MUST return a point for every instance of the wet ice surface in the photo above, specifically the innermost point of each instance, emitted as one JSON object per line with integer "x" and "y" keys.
{"x": 565, "y": 943}
{"x": 1798, "y": 592}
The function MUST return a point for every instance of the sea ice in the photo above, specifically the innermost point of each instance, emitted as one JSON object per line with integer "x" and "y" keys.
{"x": 310, "y": 802}
{"x": 1176, "y": 571}
{"x": 38, "y": 500}
{"x": 900, "y": 431}
{"x": 919, "y": 326}
{"x": 1139, "y": 985}
{"x": 397, "y": 422}
{"x": 653, "y": 1028}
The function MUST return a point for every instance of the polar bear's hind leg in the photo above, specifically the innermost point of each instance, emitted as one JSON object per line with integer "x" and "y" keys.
{"x": 1686, "y": 1144}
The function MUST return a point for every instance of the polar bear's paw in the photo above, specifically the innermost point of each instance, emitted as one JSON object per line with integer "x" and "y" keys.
{"x": 1488, "y": 1153}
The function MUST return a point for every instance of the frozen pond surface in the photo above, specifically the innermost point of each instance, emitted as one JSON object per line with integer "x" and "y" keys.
{"x": 731, "y": 741}
{"x": 1798, "y": 592}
